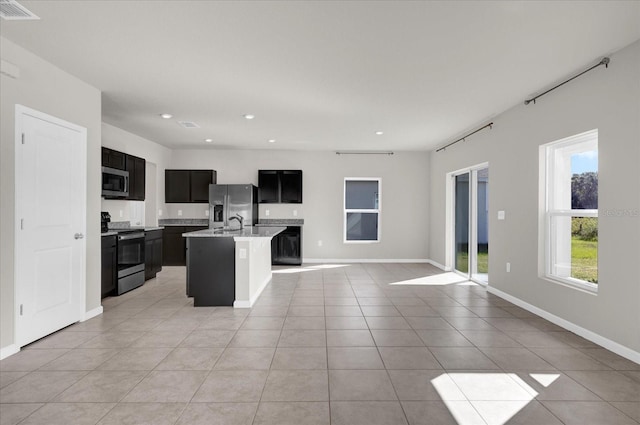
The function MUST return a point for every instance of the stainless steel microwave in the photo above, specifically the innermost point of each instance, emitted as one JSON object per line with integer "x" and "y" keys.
{"x": 115, "y": 183}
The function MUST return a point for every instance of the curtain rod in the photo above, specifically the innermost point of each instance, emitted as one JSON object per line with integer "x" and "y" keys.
{"x": 490, "y": 125}
{"x": 364, "y": 153}
{"x": 604, "y": 61}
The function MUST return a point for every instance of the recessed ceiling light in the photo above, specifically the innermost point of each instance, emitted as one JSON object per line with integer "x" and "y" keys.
{"x": 166, "y": 116}
{"x": 249, "y": 116}
{"x": 272, "y": 140}
{"x": 379, "y": 133}
{"x": 208, "y": 140}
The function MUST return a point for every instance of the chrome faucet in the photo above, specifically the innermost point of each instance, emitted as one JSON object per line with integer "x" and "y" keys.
{"x": 239, "y": 218}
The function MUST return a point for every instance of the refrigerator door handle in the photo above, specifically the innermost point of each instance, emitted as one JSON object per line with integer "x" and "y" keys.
{"x": 226, "y": 210}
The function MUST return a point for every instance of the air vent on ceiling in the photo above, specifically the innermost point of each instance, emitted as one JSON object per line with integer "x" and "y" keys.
{"x": 188, "y": 124}
{"x": 11, "y": 10}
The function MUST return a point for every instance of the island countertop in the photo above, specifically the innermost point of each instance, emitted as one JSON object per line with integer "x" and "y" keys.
{"x": 248, "y": 232}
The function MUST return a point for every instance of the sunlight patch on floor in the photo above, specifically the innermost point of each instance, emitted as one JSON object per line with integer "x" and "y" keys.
{"x": 545, "y": 379}
{"x": 494, "y": 398}
{"x": 449, "y": 278}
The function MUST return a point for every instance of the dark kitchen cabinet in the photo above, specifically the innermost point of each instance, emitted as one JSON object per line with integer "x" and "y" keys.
{"x": 113, "y": 159}
{"x": 286, "y": 247}
{"x": 269, "y": 185}
{"x": 137, "y": 169}
{"x": 152, "y": 253}
{"x": 280, "y": 186}
{"x": 200, "y": 181}
{"x": 188, "y": 186}
{"x": 174, "y": 245}
{"x": 109, "y": 265}
{"x": 134, "y": 165}
{"x": 211, "y": 273}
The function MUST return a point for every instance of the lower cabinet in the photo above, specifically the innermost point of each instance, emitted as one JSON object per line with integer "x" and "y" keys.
{"x": 109, "y": 260}
{"x": 174, "y": 246}
{"x": 211, "y": 271}
{"x": 286, "y": 247}
{"x": 152, "y": 253}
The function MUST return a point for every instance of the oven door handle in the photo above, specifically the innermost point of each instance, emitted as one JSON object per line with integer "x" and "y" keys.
{"x": 132, "y": 236}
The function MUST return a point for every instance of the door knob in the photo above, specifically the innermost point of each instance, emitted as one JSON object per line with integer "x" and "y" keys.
{"x": 78, "y": 236}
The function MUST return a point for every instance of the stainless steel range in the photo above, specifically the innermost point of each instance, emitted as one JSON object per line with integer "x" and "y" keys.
{"x": 130, "y": 260}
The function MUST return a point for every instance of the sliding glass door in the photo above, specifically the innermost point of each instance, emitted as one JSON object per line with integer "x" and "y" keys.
{"x": 471, "y": 223}
{"x": 461, "y": 257}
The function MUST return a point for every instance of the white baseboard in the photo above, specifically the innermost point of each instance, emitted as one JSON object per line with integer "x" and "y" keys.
{"x": 254, "y": 298}
{"x": 363, "y": 260}
{"x": 9, "y": 350}
{"x": 92, "y": 313}
{"x": 617, "y": 348}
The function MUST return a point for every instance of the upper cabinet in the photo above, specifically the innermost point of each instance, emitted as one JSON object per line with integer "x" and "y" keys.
{"x": 134, "y": 165}
{"x": 188, "y": 186}
{"x": 280, "y": 186}
{"x": 137, "y": 169}
{"x": 113, "y": 159}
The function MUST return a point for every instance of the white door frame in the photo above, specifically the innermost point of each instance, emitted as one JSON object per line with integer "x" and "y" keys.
{"x": 20, "y": 111}
{"x": 450, "y": 246}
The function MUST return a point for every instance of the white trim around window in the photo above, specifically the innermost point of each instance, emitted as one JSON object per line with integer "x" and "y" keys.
{"x": 556, "y": 208}
{"x": 376, "y": 208}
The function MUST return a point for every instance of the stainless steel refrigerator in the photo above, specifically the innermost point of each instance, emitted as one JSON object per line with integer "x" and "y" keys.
{"x": 232, "y": 200}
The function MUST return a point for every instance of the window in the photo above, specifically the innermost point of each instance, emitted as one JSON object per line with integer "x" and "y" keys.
{"x": 571, "y": 210}
{"x": 362, "y": 210}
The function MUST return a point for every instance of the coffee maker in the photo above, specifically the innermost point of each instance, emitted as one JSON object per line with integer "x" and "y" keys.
{"x": 105, "y": 218}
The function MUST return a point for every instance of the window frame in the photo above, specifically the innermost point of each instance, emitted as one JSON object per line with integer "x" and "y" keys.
{"x": 345, "y": 211}
{"x": 548, "y": 152}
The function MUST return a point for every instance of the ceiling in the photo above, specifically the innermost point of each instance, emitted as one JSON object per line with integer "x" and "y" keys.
{"x": 319, "y": 75}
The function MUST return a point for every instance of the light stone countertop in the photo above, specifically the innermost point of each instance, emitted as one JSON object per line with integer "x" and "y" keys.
{"x": 246, "y": 233}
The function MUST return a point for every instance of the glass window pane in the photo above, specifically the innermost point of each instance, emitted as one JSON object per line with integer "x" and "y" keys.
{"x": 362, "y": 226}
{"x": 361, "y": 194}
{"x": 462, "y": 223}
{"x": 584, "y": 180}
{"x": 574, "y": 247}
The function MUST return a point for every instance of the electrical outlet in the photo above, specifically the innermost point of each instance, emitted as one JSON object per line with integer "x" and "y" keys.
{"x": 295, "y": 213}
{"x": 319, "y": 243}
{"x": 266, "y": 213}
{"x": 179, "y": 213}
{"x": 121, "y": 214}
{"x": 159, "y": 213}
{"x": 206, "y": 213}
{"x": 242, "y": 253}
{"x": 508, "y": 267}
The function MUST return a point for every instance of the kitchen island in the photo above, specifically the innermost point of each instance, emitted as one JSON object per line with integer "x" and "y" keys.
{"x": 229, "y": 267}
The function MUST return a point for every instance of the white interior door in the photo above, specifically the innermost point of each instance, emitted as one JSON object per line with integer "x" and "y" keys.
{"x": 50, "y": 224}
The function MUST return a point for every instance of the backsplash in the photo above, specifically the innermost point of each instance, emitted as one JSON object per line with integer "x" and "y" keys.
{"x": 132, "y": 211}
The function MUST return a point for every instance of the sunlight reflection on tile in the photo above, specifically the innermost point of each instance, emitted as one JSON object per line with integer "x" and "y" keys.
{"x": 545, "y": 379}
{"x": 439, "y": 279}
{"x": 498, "y": 397}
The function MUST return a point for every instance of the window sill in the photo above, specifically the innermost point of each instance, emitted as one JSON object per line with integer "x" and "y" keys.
{"x": 579, "y": 285}
{"x": 360, "y": 242}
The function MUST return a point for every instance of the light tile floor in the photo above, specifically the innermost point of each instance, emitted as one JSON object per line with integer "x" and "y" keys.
{"x": 324, "y": 344}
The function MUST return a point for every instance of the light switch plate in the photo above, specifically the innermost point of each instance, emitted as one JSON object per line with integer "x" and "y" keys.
{"x": 295, "y": 213}
{"x": 266, "y": 213}
{"x": 206, "y": 213}
{"x": 242, "y": 253}
{"x": 159, "y": 213}
{"x": 501, "y": 215}
{"x": 179, "y": 213}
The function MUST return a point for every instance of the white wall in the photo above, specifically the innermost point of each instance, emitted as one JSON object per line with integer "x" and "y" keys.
{"x": 43, "y": 87}
{"x": 606, "y": 99}
{"x": 123, "y": 141}
{"x": 405, "y": 177}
